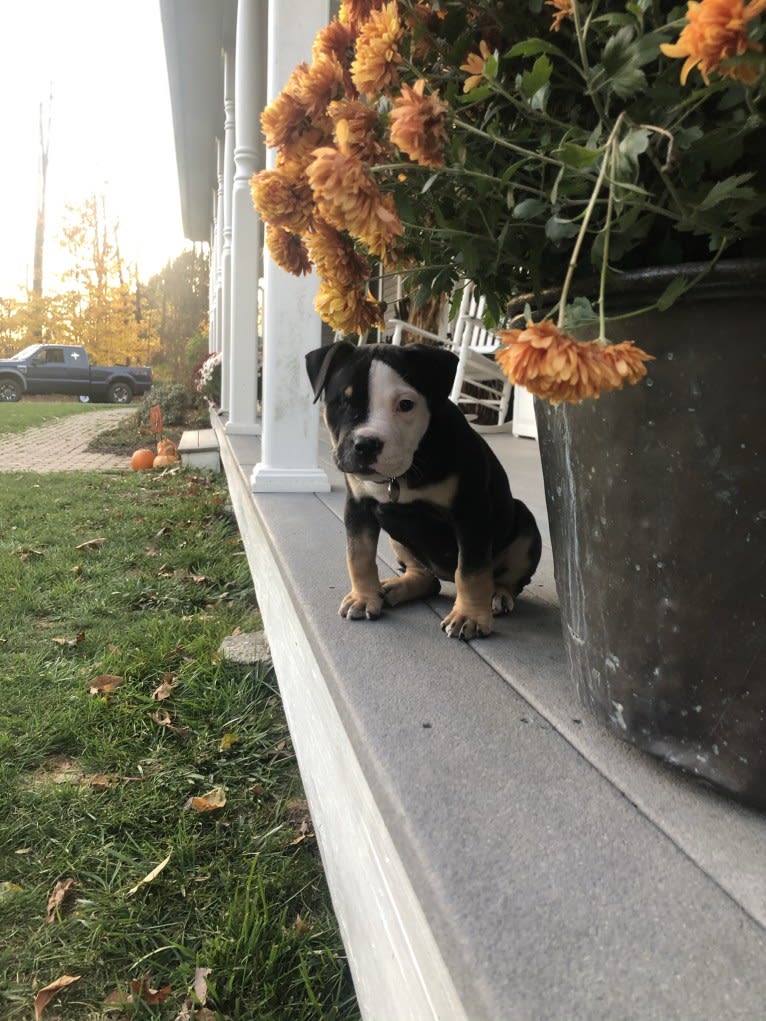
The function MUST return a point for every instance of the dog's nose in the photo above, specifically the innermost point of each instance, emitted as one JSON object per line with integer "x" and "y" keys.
{"x": 367, "y": 447}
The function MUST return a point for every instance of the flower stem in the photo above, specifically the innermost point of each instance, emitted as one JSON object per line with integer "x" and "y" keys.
{"x": 586, "y": 220}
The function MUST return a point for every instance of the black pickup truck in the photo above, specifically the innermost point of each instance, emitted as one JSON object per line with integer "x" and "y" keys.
{"x": 66, "y": 369}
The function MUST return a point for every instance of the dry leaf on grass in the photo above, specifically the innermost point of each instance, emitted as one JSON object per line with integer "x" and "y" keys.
{"x": 200, "y": 984}
{"x": 92, "y": 543}
{"x": 105, "y": 684}
{"x": 141, "y": 989}
{"x": 44, "y": 996}
{"x": 228, "y": 741}
{"x": 165, "y": 689}
{"x": 301, "y": 926}
{"x": 209, "y": 802}
{"x": 70, "y": 643}
{"x": 163, "y": 719}
{"x": 150, "y": 876}
{"x": 56, "y": 899}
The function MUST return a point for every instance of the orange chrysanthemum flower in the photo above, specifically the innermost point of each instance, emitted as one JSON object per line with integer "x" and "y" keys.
{"x": 563, "y": 10}
{"x": 294, "y": 157}
{"x": 282, "y": 200}
{"x": 288, "y": 251}
{"x": 377, "y": 53}
{"x": 334, "y": 40}
{"x": 418, "y": 125}
{"x": 322, "y": 83}
{"x": 335, "y": 257}
{"x": 716, "y": 32}
{"x": 347, "y": 197}
{"x": 358, "y": 130}
{"x": 354, "y": 13}
{"x": 348, "y": 310}
{"x": 283, "y": 121}
{"x": 553, "y": 365}
{"x": 474, "y": 66}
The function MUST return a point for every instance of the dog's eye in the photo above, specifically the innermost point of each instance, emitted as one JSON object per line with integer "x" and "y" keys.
{"x": 405, "y": 404}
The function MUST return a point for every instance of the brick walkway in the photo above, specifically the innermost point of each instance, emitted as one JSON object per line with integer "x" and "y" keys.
{"x": 62, "y": 445}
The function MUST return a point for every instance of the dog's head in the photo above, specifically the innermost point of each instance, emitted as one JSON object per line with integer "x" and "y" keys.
{"x": 379, "y": 401}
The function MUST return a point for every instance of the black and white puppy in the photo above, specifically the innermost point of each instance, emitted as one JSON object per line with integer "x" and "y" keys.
{"x": 415, "y": 468}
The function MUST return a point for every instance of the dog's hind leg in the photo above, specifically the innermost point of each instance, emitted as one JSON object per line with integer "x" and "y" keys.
{"x": 513, "y": 569}
{"x": 415, "y": 581}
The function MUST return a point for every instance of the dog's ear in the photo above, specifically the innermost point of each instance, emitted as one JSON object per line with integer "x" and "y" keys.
{"x": 432, "y": 369}
{"x": 324, "y": 361}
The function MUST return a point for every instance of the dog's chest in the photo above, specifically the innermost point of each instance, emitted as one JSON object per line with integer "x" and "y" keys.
{"x": 398, "y": 492}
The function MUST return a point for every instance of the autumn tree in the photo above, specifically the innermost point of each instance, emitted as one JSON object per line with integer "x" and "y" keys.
{"x": 106, "y": 310}
{"x": 178, "y": 298}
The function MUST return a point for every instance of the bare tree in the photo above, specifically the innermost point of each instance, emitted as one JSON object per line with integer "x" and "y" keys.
{"x": 45, "y": 136}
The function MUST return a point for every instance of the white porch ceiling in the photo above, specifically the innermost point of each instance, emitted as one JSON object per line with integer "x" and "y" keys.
{"x": 196, "y": 32}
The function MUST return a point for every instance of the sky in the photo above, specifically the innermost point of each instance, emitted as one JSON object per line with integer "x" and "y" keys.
{"x": 111, "y": 130}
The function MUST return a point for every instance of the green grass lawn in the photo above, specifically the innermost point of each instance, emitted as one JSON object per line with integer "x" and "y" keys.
{"x": 16, "y": 417}
{"x": 140, "y": 577}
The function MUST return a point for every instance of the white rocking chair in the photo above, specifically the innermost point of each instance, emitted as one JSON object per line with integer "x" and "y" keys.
{"x": 475, "y": 346}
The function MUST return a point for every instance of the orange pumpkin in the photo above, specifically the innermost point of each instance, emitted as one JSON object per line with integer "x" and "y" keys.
{"x": 167, "y": 447}
{"x": 163, "y": 460}
{"x": 142, "y": 459}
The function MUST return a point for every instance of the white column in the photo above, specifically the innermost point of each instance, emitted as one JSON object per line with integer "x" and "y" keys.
{"x": 217, "y": 278}
{"x": 228, "y": 183}
{"x": 211, "y": 334}
{"x": 246, "y": 228}
{"x": 290, "y": 422}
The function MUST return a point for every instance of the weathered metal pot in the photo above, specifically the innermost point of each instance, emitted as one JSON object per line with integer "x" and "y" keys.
{"x": 657, "y": 503}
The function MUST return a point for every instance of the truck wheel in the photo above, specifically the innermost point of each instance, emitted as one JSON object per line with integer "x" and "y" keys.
{"x": 119, "y": 393}
{"x": 10, "y": 390}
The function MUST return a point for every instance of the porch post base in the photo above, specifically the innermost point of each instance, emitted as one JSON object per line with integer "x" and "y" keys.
{"x": 288, "y": 480}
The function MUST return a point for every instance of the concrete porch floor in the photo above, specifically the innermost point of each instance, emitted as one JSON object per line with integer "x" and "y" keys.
{"x": 492, "y": 852}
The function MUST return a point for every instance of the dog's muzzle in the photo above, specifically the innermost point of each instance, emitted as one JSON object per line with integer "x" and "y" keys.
{"x": 358, "y": 453}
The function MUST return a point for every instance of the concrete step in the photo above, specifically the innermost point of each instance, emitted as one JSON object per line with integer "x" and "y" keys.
{"x": 199, "y": 449}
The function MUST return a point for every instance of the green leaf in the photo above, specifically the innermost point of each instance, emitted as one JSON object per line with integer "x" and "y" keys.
{"x": 634, "y": 143}
{"x": 532, "y": 81}
{"x": 527, "y": 209}
{"x": 672, "y": 292}
{"x": 533, "y": 47}
{"x": 621, "y": 64}
{"x": 730, "y": 188}
{"x": 560, "y": 230}
{"x": 577, "y": 155}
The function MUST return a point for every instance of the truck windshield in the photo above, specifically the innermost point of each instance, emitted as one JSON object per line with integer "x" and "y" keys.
{"x": 27, "y": 351}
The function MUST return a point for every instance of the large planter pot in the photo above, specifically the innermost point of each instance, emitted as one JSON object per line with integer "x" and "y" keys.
{"x": 657, "y": 503}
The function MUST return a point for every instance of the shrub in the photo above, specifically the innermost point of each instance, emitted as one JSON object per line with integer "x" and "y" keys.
{"x": 173, "y": 399}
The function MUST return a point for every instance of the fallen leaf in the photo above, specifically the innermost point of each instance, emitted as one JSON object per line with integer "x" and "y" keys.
{"x": 304, "y": 833}
{"x": 70, "y": 642}
{"x": 186, "y": 1013}
{"x": 228, "y": 741}
{"x": 105, "y": 684}
{"x": 209, "y": 802}
{"x": 204, "y": 1014}
{"x": 150, "y": 876}
{"x": 200, "y": 984}
{"x": 92, "y": 543}
{"x": 163, "y": 719}
{"x": 99, "y": 782}
{"x": 300, "y": 925}
{"x": 44, "y": 996}
{"x": 56, "y": 899}
{"x": 25, "y": 552}
{"x": 165, "y": 690}
{"x": 141, "y": 987}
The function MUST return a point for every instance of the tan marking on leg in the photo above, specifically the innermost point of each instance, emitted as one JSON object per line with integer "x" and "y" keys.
{"x": 417, "y": 582}
{"x": 510, "y": 567}
{"x": 365, "y": 598}
{"x": 471, "y": 616}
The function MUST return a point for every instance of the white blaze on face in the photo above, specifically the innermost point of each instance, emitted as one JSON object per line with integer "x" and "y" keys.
{"x": 398, "y": 417}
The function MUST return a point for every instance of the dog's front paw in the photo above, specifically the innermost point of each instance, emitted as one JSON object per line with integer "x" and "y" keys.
{"x": 466, "y": 627}
{"x": 361, "y": 606}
